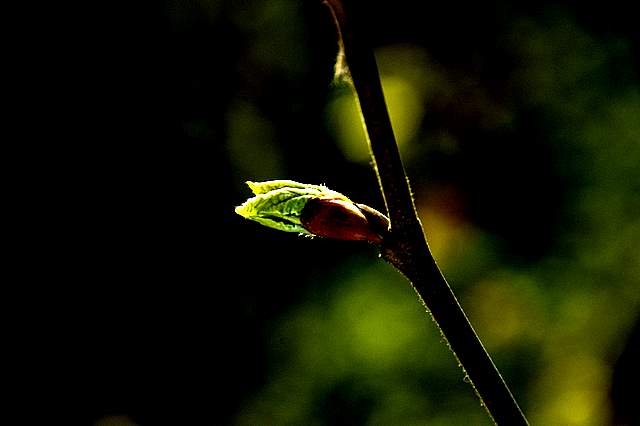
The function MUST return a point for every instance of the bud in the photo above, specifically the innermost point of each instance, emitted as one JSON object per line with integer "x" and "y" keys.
{"x": 313, "y": 210}
{"x": 339, "y": 219}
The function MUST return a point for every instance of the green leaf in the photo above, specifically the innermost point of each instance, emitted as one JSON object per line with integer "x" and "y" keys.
{"x": 312, "y": 210}
{"x": 278, "y": 204}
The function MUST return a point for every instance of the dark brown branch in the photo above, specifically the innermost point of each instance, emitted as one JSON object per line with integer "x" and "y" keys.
{"x": 405, "y": 246}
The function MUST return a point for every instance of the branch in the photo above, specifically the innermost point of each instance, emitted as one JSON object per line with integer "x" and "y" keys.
{"x": 405, "y": 246}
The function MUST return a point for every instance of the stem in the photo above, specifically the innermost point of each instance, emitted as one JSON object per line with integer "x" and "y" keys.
{"x": 406, "y": 246}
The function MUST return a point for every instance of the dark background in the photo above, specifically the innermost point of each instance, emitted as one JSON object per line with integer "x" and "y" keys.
{"x": 147, "y": 297}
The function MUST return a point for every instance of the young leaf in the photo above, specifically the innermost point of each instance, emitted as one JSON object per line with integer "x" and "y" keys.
{"x": 311, "y": 210}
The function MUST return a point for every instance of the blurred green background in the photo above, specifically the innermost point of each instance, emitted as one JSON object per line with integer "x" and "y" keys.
{"x": 519, "y": 126}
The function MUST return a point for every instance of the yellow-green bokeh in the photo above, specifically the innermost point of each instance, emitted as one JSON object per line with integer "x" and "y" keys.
{"x": 554, "y": 325}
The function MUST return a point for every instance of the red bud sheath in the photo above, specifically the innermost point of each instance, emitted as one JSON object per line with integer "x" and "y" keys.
{"x": 339, "y": 219}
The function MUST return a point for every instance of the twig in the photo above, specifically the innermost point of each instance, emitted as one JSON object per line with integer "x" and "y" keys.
{"x": 406, "y": 246}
